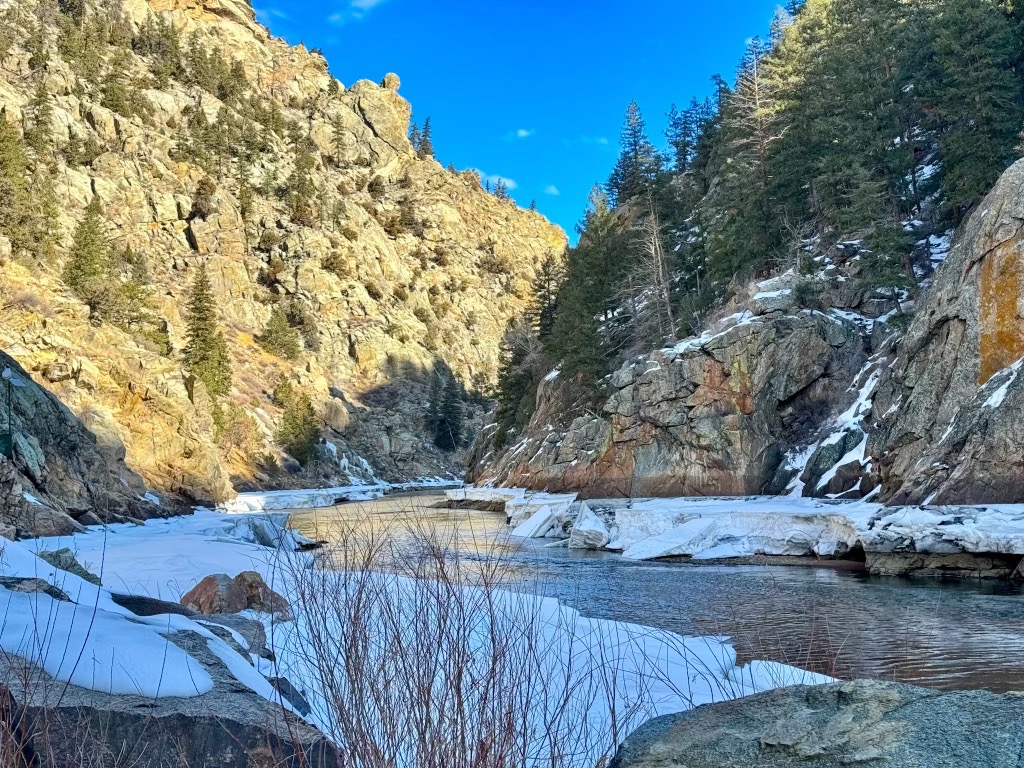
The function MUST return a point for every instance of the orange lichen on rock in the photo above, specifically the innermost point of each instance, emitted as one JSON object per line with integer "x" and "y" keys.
{"x": 1002, "y": 327}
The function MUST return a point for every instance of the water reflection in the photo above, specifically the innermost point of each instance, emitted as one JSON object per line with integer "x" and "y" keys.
{"x": 941, "y": 634}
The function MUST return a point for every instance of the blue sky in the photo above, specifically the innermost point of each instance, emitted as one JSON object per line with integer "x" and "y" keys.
{"x": 532, "y": 91}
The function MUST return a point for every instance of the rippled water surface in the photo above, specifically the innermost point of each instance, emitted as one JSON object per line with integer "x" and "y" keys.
{"x": 941, "y": 634}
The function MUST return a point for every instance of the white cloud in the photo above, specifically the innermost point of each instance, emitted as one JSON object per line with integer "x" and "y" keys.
{"x": 356, "y": 9}
{"x": 266, "y": 13}
{"x": 493, "y": 179}
{"x": 599, "y": 141}
{"x": 519, "y": 134}
{"x": 552, "y": 190}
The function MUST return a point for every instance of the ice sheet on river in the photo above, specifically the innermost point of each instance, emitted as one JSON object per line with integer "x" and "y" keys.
{"x": 712, "y": 528}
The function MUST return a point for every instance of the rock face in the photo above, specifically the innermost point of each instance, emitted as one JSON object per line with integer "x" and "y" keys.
{"x": 59, "y": 474}
{"x": 400, "y": 266}
{"x": 829, "y": 403}
{"x": 51, "y": 725}
{"x": 884, "y": 725}
{"x": 951, "y": 413}
{"x": 713, "y": 415}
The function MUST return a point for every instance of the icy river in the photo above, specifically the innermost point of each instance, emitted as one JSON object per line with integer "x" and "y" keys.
{"x": 935, "y": 633}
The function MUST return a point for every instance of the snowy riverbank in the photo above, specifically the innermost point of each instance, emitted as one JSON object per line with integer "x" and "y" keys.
{"x": 722, "y": 528}
{"x": 114, "y": 651}
{"x": 321, "y": 498}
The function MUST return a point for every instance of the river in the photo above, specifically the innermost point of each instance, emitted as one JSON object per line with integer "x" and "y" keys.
{"x": 942, "y": 634}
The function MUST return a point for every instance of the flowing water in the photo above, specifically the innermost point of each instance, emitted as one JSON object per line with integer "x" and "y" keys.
{"x": 936, "y": 633}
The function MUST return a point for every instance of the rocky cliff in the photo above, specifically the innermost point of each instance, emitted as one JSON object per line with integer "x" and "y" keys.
{"x": 950, "y": 410}
{"x": 833, "y": 401}
{"x": 208, "y": 141}
{"x": 722, "y": 413}
{"x": 59, "y": 475}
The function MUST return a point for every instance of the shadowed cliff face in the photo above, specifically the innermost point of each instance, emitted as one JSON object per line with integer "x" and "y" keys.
{"x": 951, "y": 413}
{"x": 403, "y": 266}
{"x": 60, "y": 474}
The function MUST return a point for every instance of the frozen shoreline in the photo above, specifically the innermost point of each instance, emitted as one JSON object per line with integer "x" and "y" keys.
{"x": 724, "y": 528}
{"x": 165, "y": 558}
{"x": 320, "y": 498}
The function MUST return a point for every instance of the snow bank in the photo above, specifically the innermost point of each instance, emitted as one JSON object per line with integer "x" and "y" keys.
{"x": 164, "y": 559}
{"x": 90, "y": 641}
{"x": 321, "y": 498}
{"x": 268, "y": 501}
{"x": 97, "y": 649}
{"x": 646, "y": 529}
{"x": 734, "y": 527}
{"x": 651, "y": 672}
{"x": 521, "y": 506}
{"x": 997, "y": 529}
{"x": 637, "y": 672}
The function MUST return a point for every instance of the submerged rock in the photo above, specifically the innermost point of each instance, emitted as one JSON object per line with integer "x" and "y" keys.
{"x": 871, "y": 723}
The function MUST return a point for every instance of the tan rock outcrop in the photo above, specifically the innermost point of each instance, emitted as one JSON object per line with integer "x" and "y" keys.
{"x": 405, "y": 267}
{"x": 247, "y": 591}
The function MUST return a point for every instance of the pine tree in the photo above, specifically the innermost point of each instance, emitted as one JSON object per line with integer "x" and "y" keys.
{"x": 415, "y": 137}
{"x": 518, "y": 377}
{"x": 546, "y": 285}
{"x": 205, "y": 355}
{"x": 977, "y": 96}
{"x": 74, "y": 9}
{"x": 650, "y": 280}
{"x": 299, "y": 433}
{"x": 683, "y": 131}
{"x": 299, "y": 186}
{"x": 44, "y": 220}
{"x": 14, "y": 192}
{"x": 88, "y": 270}
{"x": 501, "y": 190}
{"x": 279, "y": 337}
{"x": 639, "y": 164}
{"x": 425, "y": 148}
{"x": 584, "y": 335}
{"x": 159, "y": 40}
{"x": 37, "y": 133}
{"x": 449, "y": 425}
{"x": 340, "y": 138}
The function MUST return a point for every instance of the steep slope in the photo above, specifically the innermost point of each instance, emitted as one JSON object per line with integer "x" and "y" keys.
{"x": 59, "y": 474}
{"x": 950, "y": 412}
{"x": 822, "y": 403}
{"x": 756, "y": 404}
{"x": 207, "y": 141}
